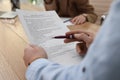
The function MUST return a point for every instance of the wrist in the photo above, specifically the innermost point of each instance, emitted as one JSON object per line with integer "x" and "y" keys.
{"x": 85, "y": 15}
{"x": 34, "y": 59}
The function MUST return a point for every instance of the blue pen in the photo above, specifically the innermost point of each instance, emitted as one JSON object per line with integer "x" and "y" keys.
{"x": 66, "y": 20}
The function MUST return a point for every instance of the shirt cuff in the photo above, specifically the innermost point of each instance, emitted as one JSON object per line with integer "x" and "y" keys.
{"x": 35, "y": 66}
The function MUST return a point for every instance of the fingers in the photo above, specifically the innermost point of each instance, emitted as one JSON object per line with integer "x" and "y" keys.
{"x": 69, "y": 40}
{"x": 28, "y": 47}
{"x": 69, "y": 33}
{"x": 78, "y": 20}
{"x": 35, "y": 47}
{"x": 73, "y": 32}
{"x": 31, "y": 45}
{"x": 87, "y": 39}
{"x": 78, "y": 32}
{"x": 79, "y": 36}
{"x": 33, "y": 52}
{"x": 81, "y": 48}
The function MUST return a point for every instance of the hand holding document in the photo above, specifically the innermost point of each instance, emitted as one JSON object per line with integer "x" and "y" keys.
{"x": 41, "y": 27}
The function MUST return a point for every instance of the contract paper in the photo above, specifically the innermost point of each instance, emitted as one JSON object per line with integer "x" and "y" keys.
{"x": 40, "y": 27}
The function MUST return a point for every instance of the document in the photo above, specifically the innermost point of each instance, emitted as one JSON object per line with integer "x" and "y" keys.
{"x": 40, "y": 27}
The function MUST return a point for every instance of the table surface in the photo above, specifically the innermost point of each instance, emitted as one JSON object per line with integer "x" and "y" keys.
{"x": 13, "y": 41}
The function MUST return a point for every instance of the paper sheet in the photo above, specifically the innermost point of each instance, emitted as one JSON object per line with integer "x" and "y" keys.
{"x": 40, "y": 27}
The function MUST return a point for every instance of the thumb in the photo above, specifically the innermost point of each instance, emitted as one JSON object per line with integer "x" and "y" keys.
{"x": 80, "y": 36}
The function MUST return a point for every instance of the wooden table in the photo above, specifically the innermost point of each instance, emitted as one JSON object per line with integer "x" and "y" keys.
{"x": 12, "y": 43}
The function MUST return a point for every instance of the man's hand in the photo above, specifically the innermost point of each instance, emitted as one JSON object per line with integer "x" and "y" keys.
{"x": 79, "y": 20}
{"x": 32, "y": 53}
{"x": 85, "y": 39}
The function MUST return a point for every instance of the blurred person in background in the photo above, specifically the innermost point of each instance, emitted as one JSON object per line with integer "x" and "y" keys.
{"x": 79, "y": 10}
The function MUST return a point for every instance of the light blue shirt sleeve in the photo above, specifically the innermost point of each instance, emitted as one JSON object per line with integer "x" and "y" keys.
{"x": 42, "y": 69}
{"x": 102, "y": 61}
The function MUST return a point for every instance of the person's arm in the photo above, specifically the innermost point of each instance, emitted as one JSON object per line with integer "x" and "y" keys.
{"x": 39, "y": 68}
{"x": 42, "y": 69}
{"x": 101, "y": 63}
{"x": 86, "y": 12}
